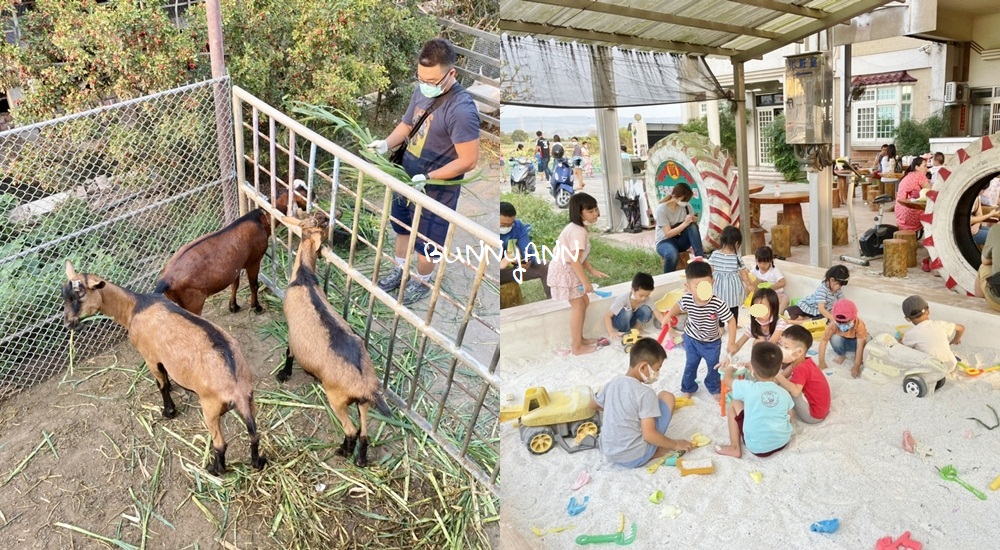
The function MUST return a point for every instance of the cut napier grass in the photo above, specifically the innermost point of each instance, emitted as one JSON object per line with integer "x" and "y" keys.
{"x": 341, "y": 121}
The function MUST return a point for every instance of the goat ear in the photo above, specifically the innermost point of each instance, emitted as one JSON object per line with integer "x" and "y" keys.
{"x": 99, "y": 285}
{"x": 70, "y": 272}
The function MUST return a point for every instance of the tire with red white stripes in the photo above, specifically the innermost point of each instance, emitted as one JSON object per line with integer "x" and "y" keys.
{"x": 954, "y": 189}
{"x": 693, "y": 159}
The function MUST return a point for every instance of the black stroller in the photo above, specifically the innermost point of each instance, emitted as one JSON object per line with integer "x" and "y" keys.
{"x": 630, "y": 206}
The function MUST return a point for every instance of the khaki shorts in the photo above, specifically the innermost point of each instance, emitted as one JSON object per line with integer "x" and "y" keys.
{"x": 992, "y": 300}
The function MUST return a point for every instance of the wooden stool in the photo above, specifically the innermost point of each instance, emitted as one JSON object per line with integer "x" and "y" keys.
{"x": 754, "y": 214}
{"x": 872, "y": 193}
{"x": 839, "y": 230}
{"x": 757, "y": 238}
{"x": 911, "y": 242}
{"x": 779, "y": 218}
{"x": 510, "y": 295}
{"x": 781, "y": 237}
{"x": 895, "y": 256}
{"x": 836, "y": 196}
{"x": 682, "y": 260}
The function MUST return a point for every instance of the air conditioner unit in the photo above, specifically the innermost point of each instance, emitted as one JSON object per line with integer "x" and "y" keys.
{"x": 956, "y": 92}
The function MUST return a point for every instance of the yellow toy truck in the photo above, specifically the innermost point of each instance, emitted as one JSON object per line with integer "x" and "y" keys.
{"x": 562, "y": 417}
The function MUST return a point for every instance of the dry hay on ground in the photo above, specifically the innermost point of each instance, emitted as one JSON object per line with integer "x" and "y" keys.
{"x": 91, "y": 456}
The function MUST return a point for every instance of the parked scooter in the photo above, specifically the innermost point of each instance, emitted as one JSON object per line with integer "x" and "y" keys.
{"x": 561, "y": 183}
{"x": 522, "y": 175}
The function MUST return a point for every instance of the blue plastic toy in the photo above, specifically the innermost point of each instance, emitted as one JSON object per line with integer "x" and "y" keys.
{"x": 601, "y": 293}
{"x": 575, "y": 508}
{"x": 825, "y": 526}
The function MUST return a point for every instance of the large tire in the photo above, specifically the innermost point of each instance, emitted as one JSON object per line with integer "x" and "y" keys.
{"x": 951, "y": 250}
{"x": 695, "y": 160}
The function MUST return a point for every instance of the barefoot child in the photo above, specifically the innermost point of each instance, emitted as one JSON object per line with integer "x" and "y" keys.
{"x": 847, "y": 333}
{"x": 701, "y": 334}
{"x": 636, "y": 417}
{"x": 765, "y": 271}
{"x": 629, "y": 310}
{"x": 760, "y": 414}
{"x": 818, "y": 304}
{"x": 767, "y": 327}
{"x": 931, "y": 337}
{"x": 801, "y": 378}
{"x": 569, "y": 267}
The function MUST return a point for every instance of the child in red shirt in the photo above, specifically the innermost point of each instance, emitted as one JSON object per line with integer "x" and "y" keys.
{"x": 801, "y": 378}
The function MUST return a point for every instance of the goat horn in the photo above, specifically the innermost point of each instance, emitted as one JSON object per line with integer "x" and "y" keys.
{"x": 70, "y": 272}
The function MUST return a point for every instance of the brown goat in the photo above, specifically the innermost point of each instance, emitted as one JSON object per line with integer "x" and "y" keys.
{"x": 197, "y": 354}
{"x": 325, "y": 346}
{"x": 212, "y": 262}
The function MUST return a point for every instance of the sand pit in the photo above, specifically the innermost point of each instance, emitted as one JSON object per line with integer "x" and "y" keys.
{"x": 851, "y": 466}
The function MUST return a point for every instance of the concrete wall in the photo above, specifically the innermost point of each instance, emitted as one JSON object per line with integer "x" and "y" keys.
{"x": 526, "y": 331}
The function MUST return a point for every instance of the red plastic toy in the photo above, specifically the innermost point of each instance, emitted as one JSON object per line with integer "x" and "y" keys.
{"x": 904, "y": 542}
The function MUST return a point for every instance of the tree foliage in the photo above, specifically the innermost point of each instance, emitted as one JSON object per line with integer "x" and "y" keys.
{"x": 727, "y": 130}
{"x": 78, "y": 54}
{"x": 783, "y": 154}
{"x": 913, "y": 138}
{"x": 319, "y": 52}
{"x": 520, "y": 136}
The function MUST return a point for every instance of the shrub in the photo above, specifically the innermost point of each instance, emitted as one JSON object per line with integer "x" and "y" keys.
{"x": 783, "y": 154}
{"x": 913, "y": 138}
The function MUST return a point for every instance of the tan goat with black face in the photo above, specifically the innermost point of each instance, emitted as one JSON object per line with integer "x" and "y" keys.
{"x": 325, "y": 346}
{"x": 197, "y": 354}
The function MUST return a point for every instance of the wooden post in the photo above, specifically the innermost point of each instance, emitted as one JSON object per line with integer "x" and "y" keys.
{"x": 757, "y": 238}
{"x": 839, "y": 230}
{"x": 836, "y": 196}
{"x": 682, "y": 260}
{"x": 778, "y": 219}
{"x": 781, "y": 236}
{"x": 754, "y": 214}
{"x": 510, "y": 295}
{"x": 872, "y": 193}
{"x": 894, "y": 258}
{"x": 911, "y": 242}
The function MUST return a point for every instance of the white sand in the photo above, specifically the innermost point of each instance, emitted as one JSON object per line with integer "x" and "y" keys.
{"x": 850, "y": 467}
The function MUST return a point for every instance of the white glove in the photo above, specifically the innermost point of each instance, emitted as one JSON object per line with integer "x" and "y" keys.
{"x": 380, "y": 146}
{"x": 419, "y": 181}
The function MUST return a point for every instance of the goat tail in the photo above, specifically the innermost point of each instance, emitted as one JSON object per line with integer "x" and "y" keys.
{"x": 380, "y": 404}
{"x": 161, "y": 287}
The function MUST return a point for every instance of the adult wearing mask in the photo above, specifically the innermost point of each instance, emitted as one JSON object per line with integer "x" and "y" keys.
{"x": 518, "y": 232}
{"x": 914, "y": 179}
{"x": 676, "y": 227}
{"x": 444, "y": 146}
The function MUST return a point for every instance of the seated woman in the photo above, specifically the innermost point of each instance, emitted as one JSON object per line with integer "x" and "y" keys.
{"x": 914, "y": 179}
{"x": 989, "y": 271}
{"x": 676, "y": 227}
{"x": 983, "y": 217}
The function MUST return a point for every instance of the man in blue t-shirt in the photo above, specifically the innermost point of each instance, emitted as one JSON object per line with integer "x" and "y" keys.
{"x": 518, "y": 232}
{"x": 445, "y": 147}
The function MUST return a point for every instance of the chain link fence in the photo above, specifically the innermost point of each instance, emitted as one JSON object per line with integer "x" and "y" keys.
{"x": 115, "y": 190}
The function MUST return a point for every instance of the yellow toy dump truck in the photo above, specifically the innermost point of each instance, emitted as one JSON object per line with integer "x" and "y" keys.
{"x": 562, "y": 417}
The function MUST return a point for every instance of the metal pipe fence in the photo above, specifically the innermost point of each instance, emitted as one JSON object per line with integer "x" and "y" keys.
{"x": 115, "y": 190}
{"x": 437, "y": 358}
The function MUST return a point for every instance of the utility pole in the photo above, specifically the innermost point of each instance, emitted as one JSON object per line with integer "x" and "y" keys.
{"x": 223, "y": 120}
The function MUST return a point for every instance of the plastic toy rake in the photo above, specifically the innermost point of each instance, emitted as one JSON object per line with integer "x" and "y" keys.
{"x": 620, "y": 538}
{"x": 950, "y": 473}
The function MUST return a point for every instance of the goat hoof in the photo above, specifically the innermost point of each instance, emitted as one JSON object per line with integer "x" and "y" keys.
{"x": 283, "y": 376}
{"x": 361, "y": 461}
{"x": 257, "y": 309}
{"x": 261, "y": 462}
{"x": 216, "y": 470}
{"x": 341, "y": 451}
{"x": 170, "y": 413}
{"x": 234, "y": 308}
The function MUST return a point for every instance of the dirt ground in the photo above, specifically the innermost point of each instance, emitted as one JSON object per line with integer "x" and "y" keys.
{"x": 94, "y": 452}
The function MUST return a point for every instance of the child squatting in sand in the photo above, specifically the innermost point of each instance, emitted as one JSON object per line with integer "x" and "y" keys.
{"x": 635, "y": 417}
{"x": 760, "y": 414}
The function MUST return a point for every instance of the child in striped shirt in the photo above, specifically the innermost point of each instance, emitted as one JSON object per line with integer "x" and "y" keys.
{"x": 819, "y": 303}
{"x": 732, "y": 283}
{"x": 701, "y": 333}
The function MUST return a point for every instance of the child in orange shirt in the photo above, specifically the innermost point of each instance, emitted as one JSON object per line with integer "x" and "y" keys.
{"x": 846, "y": 334}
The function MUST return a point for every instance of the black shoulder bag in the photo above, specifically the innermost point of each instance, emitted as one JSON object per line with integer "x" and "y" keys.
{"x": 396, "y": 157}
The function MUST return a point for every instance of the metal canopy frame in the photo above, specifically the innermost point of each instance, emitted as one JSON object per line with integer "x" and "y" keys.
{"x": 739, "y": 29}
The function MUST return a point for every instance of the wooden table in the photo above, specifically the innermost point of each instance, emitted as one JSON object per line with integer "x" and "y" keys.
{"x": 919, "y": 205}
{"x": 791, "y": 204}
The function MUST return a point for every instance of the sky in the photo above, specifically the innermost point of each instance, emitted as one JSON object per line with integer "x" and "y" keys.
{"x": 578, "y": 120}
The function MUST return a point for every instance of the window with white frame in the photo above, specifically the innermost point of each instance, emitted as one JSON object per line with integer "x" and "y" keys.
{"x": 878, "y": 112}
{"x": 985, "y": 111}
{"x": 703, "y": 109}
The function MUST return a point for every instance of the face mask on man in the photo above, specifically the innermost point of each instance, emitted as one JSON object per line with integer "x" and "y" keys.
{"x": 505, "y": 230}
{"x": 433, "y": 90}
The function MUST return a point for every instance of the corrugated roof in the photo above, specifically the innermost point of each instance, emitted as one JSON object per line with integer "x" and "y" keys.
{"x": 894, "y": 77}
{"x": 743, "y": 29}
